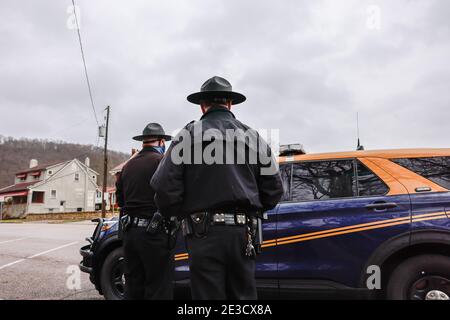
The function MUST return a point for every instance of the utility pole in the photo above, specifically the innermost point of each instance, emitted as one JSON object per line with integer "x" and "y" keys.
{"x": 105, "y": 165}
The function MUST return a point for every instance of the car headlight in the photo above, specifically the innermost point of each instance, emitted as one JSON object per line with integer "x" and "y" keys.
{"x": 107, "y": 225}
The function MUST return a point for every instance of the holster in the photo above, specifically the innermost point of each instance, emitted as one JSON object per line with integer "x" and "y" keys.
{"x": 119, "y": 229}
{"x": 196, "y": 224}
{"x": 173, "y": 225}
{"x": 156, "y": 223}
{"x": 186, "y": 227}
{"x": 255, "y": 230}
{"x": 124, "y": 223}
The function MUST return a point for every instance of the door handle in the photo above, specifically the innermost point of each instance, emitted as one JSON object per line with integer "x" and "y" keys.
{"x": 381, "y": 205}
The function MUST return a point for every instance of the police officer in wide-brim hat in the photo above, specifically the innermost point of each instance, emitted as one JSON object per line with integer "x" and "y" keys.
{"x": 219, "y": 202}
{"x": 148, "y": 259}
{"x": 216, "y": 88}
{"x": 153, "y": 131}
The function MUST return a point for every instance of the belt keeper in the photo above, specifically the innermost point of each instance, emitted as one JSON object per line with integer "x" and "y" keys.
{"x": 240, "y": 219}
{"x": 219, "y": 217}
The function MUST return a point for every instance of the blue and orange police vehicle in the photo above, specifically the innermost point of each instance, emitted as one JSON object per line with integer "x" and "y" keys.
{"x": 373, "y": 223}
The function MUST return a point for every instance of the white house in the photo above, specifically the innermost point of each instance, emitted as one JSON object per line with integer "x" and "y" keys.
{"x": 59, "y": 187}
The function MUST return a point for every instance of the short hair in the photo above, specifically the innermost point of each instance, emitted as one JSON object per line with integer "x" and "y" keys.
{"x": 150, "y": 141}
{"x": 216, "y": 100}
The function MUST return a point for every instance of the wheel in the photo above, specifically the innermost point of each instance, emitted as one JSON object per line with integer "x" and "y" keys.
{"x": 424, "y": 277}
{"x": 112, "y": 278}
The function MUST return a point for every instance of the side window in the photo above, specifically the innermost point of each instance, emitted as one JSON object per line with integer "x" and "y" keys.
{"x": 436, "y": 169}
{"x": 368, "y": 182}
{"x": 285, "y": 172}
{"x": 323, "y": 180}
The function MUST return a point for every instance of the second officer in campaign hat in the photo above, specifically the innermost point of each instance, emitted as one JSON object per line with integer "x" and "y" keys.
{"x": 148, "y": 258}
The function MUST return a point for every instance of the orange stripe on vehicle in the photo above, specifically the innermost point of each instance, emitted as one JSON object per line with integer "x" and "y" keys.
{"x": 344, "y": 230}
{"x": 354, "y": 226}
{"x": 182, "y": 258}
{"x": 341, "y": 229}
{"x": 439, "y": 215}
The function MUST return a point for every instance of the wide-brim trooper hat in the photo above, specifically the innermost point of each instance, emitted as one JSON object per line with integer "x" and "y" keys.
{"x": 153, "y": 130}
{"x": 216, "y": 87}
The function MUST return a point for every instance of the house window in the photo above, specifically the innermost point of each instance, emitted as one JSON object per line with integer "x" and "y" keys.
{"x": 77, "y": 177}
{"x": 19, "y": 199}
{"x": 37, "y": 197}
{"x": 53, "y": 194}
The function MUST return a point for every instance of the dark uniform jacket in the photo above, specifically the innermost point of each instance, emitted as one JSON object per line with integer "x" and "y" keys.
{"x": 186, "y": 188}
{"x": 133, "y": 191}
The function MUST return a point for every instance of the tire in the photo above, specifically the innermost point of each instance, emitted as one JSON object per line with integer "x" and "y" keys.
{"x": 415, "y": 277}
{"x": 111, "y": 274}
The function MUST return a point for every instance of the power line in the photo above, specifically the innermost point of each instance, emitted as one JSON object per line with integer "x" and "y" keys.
{"x": 84, "y": 63}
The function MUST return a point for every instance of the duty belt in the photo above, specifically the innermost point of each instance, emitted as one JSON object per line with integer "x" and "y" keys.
{"x": 231, "y": 219}
{"x": 139, "y": 222}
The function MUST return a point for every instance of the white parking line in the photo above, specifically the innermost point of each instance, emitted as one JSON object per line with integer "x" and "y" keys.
{"x": 51, "y": 250}
{"x": 37, "y": 255}
{"x": 8, "y": 241}
{"x": 11, "y": 264}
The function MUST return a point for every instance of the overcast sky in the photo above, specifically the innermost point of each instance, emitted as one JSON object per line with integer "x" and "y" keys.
{"x": 306, "y": 68}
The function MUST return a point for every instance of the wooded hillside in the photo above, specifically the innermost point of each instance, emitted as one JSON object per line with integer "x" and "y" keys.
{"x": 15, "y": 155}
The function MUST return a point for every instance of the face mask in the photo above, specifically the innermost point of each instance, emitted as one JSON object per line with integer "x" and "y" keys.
{"x": 161, "y": 149}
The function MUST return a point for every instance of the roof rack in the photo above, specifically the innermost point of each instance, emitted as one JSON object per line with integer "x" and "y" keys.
{"x": 291, "y": 149}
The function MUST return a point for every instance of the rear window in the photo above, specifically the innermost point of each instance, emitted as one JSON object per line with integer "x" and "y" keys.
{"x": 322, "y": 180}
{"x": 436, "y": 169}
{"x": 368, "y": 183}
{"x": 319, "y": 180}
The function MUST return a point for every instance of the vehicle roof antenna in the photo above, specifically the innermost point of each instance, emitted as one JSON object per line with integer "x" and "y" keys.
{"x": 359, "y": 146}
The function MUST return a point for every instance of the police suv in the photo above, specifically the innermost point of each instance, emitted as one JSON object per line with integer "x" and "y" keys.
{"x": 365, "y": 223}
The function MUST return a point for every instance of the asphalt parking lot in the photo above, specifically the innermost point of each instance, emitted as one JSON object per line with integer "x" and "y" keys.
{"x": 40, "y": 261}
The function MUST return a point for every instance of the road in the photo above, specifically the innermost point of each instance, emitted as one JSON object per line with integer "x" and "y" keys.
{"x": 40, "y": 261}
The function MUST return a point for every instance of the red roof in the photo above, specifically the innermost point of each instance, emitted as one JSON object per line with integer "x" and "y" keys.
{"x": 119, "y": 168}
{"x": 17, "y": 187}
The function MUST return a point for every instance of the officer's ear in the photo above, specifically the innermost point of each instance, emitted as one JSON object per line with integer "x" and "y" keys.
{"x": 203, "y": 106}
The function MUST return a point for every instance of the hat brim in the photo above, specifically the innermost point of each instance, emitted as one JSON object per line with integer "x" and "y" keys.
{"x": 144, "y": 137}
{"x": 235, "y": 97}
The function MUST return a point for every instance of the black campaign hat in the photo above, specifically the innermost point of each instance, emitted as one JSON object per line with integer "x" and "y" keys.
{"x": 153, "y": 130}
{"x": 216, "y": 87}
